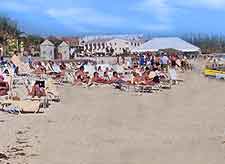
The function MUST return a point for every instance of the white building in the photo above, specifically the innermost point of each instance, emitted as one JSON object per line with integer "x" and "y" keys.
{"x": 64, "y": 50}
{"x": 125, "y": 36}
{"x": 47, "y": 49}
{"x": 118, "y": 45}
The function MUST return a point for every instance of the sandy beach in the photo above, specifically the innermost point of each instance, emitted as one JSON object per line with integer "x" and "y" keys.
{"x": 101, "y": 125}
{"x": 112, "y": 82}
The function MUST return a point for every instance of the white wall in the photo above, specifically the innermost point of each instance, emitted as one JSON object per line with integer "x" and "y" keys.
{"x": 118, "y": 45}
{"x": 47, "y": 52}
{"x": 65, "y": 51}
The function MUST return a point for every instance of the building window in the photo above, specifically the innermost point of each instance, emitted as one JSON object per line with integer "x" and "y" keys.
{"x": 115, "y": 43}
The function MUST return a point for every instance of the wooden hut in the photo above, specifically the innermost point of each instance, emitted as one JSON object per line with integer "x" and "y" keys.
{"x": 47, "y": 49}
{"x": 64, "y": 50}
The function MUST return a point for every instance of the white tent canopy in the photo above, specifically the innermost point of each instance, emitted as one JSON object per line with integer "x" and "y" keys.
{"x": 157, "y": 44}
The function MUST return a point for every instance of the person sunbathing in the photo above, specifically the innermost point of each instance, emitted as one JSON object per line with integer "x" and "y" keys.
{"x": 38, "y": 90}
{"x": 40, "y": 69}
{"x": 81, "y": 77}
{"x": 100, "y": 69}
{"x": 58, "y": 71}
{"x": 97, "y": 79}
{"x": 154, "y": 76}
{"x": 140, "y": 80}
{"x": 116, "y": 79}
{"x": 63, "y": 66}
{"x": 106, "y": 76}
{"x": 163, "y": 76}
{"x": 4, "y": 86}
{"x": 145, "y": 80}
{"x": 136, "y": 78}
{"x": 63, "y": 69}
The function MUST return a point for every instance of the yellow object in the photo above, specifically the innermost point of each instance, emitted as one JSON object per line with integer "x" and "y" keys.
{"x": 211, "y": 72}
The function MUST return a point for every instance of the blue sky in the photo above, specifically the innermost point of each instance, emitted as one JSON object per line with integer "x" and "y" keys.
{"x": 70, "y": 17}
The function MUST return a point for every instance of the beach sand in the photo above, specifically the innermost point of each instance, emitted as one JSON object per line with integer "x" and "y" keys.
{"x": 184, "y": 125}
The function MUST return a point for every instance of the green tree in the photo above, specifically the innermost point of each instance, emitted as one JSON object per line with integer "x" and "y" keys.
{"x": 8, "y": 30}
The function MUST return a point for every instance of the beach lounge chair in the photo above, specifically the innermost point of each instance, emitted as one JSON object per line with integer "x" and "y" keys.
{"x": 147, "y": 88}
{"x": 51, "y": 92}
{"x": 137, "y": 88}
{"x": 69, "y": 77}
{"x": 23, "y": 106}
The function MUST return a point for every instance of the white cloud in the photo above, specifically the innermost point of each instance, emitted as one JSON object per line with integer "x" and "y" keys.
{"x": 160, "y": 10}
{"x": 157, "y": 8}
{"x": 74, "y": 16}
{"x": 158, "y": 15}
{"x": 164, "y": 11}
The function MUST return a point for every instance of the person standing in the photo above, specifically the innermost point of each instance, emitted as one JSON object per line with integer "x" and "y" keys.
{"x": 142, "y": 60}
{"x": 164, "y": 62}
{"x": 29, "y": 59}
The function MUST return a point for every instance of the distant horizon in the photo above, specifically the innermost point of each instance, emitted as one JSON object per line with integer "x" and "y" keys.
{"x": 92, "y": 17}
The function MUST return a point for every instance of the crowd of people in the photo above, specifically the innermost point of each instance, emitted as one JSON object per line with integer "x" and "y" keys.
{"x": 145, "y": 69}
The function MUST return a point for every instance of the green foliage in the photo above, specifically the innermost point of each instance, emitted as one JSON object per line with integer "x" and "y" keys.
{"x": 33, "y": 40}
{"x": 207, "y": 43}
{"x": 9, "y": 33}
{"x": 8, "y": 27}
